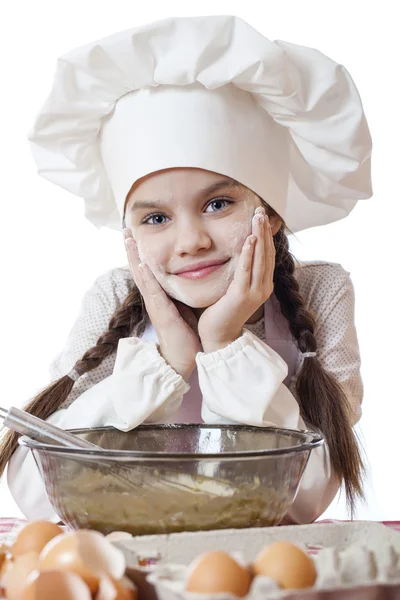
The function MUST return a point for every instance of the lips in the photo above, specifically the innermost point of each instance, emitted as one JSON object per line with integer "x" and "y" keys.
{"x": 196, "y": 267}
{"x": 200, "y": 270}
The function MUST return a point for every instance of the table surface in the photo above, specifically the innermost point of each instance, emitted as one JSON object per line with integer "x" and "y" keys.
{"x": 9, "y": 527}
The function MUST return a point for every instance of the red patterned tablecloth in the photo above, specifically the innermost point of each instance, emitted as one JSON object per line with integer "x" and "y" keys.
{"x": 9, "y": 528}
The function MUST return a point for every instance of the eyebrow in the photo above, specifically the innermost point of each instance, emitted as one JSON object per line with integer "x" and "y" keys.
{"x": 157, "y": 203}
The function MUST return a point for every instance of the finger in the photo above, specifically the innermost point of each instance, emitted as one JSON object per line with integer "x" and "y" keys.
{"x": 134, "y": 261}
{"x": 242, "y": 278}
{"x": 258, "y": 229}
{"x": 141, "y": 273}
{"x": 162, "y": 307}
{"x": 127, "y": 233}
{"x": 130, "y": 243}
{"x": 132, "y": 253}
{"x": 268, "y": 280}
{"x": 159, "y": 307}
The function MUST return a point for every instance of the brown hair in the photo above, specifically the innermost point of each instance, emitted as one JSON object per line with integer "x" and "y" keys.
{"x": 323, "y": 403}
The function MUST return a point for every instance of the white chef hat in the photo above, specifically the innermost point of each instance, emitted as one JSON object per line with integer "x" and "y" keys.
{"x": 212, "y": 93}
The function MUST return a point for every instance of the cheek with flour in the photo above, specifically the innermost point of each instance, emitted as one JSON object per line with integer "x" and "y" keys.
{"x": 175, "y": 289}
{"x": 231, "y": 239}
{"x": 172, "y": 287}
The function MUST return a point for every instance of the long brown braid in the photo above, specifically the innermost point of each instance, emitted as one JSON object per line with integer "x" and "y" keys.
{"x": 323, "y": 403}
{"x": 129, "y": 319}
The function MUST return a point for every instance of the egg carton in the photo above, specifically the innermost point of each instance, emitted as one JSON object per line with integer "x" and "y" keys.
{"x": 367, "y": 552}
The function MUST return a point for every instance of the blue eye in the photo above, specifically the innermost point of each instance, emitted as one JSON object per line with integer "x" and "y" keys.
{"x": 146, "y": 221}
{"x": 219, "y": 203}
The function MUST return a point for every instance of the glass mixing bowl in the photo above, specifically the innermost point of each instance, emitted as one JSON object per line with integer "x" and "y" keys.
{"x": 170, "y": 478}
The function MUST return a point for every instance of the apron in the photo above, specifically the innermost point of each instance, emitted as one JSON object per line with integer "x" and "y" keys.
{"x": 277, "y": 336}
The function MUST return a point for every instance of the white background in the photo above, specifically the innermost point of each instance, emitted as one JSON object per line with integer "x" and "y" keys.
{"x": 50, "y": 254}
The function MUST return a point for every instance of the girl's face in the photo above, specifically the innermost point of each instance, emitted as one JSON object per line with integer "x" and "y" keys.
{"x": 183, "y": 220}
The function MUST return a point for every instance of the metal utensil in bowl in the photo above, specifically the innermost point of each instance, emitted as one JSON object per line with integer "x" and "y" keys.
{"x": 44, "y": 432}
{"x": 26, "y": 424}
{"x": 181, "y": 477}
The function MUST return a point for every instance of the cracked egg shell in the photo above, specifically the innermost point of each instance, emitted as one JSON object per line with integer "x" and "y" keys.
{"x": 18, "y": 573}
{"x": 86, "y": 553}
{"x": 48, "y": 585}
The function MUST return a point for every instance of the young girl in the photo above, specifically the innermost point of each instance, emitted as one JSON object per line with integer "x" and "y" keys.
{"x": 208, "y": 144}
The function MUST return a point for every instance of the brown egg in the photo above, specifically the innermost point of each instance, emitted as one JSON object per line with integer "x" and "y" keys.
{"x": 59, "y": 585}
{"x": 286, "y": 564}
{"x": 112, "y": 589}
{"x": 4, "y": 550}
{"x": 18, "y": 573}
{"x": 5, "y": 564}
{"x": 34, "y": 536}
{"x": 86, "y": 553}
{"x": 215, "y": 572}
{"x": 5, "y": 567}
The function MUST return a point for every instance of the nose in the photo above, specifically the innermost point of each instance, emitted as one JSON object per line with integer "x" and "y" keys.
{"x": 191, "y": 238}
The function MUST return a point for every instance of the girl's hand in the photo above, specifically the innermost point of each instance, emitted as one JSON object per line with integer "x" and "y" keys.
{"x": 172, "y": 322}
{"x": 252, "y": 285}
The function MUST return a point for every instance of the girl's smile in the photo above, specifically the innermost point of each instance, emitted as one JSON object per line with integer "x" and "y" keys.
{"x": 201, "y": 270}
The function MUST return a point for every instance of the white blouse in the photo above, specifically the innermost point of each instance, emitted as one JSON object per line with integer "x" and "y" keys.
{"x": 136, "y": 385}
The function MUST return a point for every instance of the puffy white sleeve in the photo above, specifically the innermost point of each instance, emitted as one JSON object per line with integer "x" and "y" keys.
{"x": 242, "y": 383}
{"x": 142, "y": 387}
